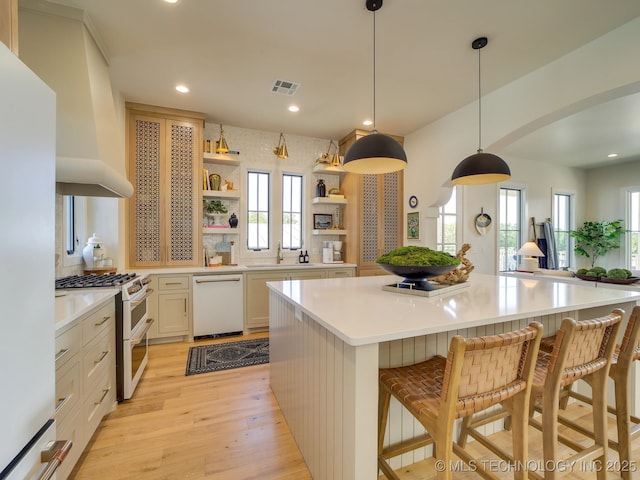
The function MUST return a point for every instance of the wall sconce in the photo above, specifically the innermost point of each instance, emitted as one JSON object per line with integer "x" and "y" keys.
{"x": 281, "y": 150}
{"x": 222, "y": 146}
{"x": 332, "y": 159}
{"x": 530, "y": 263}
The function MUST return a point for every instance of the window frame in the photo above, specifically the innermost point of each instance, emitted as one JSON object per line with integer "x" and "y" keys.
{"x": 441, "y": 223}
{"x": 301, "y": 179}
{"x": 269, "y": 210}
{"x": 572, "y": 224}
{"x": 79, "y": 229}
{"x": 520, "y": 229}
{"x": 628, "y": 239}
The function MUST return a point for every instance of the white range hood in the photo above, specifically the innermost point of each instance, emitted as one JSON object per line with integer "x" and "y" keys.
{"x": 89, "y": 178}
{"x": 57, "y": 44}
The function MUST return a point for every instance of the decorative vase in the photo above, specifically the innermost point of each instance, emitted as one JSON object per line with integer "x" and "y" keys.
{"x": 321, "y": 189}
{"x": 233, "y": 221}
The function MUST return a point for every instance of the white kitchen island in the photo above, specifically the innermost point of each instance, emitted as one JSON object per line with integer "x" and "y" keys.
{"x": 329, "y": 337}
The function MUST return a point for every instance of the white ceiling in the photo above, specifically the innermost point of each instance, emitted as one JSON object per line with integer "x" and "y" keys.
{"x": 230, "y": 52}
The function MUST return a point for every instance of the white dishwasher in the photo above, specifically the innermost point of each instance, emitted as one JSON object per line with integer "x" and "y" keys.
{"x": 217, "y": 305}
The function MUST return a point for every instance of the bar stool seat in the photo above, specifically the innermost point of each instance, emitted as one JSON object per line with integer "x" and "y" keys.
{"x": 581, "y": 350}
{"x": 477, "y": 374}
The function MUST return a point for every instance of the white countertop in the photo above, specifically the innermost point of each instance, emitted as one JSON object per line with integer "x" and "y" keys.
{"x": 74, "y": 304}
{"x": 359, "y": 312}
{"x": 236, "y": 268}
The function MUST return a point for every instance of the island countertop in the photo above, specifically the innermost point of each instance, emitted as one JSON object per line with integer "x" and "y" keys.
{"x": 328, "y": 339}
{"x": 359, "y": 312}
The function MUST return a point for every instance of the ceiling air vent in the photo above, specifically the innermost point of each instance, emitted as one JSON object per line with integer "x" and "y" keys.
{"x": 284, "y": 87}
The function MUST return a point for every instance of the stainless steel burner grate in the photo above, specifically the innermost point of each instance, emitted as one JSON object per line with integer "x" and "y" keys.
{"x": 93, "y": 281}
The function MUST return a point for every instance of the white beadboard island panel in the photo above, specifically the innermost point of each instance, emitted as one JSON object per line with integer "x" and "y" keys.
{"x": 329, "y": 337}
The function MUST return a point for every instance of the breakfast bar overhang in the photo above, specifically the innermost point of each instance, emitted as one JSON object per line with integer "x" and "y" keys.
{"x": 329, "y": 337}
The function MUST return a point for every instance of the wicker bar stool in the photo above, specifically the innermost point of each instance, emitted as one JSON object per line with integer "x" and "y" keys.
{"x": 582, "y": 350}
{"x": 477, "y": 374}
{"x": 628, "y": 426}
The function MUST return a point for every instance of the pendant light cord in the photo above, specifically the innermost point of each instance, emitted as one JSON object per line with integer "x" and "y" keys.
{"x": 479, "y": 105}
{"x": 374, "y": 71}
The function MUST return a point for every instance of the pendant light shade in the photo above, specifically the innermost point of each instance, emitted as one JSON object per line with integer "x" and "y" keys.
{"x": 480, "y": 168}
{"x": 375, "y": 153}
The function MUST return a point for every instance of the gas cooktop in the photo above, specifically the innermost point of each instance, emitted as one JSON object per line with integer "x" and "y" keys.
{"x": 93, "y": 280}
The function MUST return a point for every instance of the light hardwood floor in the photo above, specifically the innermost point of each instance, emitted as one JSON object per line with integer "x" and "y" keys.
{"x": 226, "y": 425}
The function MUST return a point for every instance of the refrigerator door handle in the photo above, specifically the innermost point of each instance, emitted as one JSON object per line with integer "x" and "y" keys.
{"x": 53, "y": 456}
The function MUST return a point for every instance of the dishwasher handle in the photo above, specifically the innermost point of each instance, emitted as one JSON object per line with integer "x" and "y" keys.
{"x": 217, "y": 280}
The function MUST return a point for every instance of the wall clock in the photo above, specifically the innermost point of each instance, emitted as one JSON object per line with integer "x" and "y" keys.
{"x": 413, "y": 201}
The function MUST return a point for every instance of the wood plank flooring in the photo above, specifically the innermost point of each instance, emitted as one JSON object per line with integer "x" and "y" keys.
{"x": 224, "y": 425}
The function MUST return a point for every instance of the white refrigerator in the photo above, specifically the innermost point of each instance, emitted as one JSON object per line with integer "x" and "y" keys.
{"x": 27, "y": 268}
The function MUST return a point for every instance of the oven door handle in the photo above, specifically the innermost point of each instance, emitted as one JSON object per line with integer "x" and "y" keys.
{"x": 135, "y": 303}
{"x": 137, "y": 340}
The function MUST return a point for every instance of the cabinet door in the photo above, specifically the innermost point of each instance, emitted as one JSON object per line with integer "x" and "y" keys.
{"x": 173, "y": 313}
{"x": 182, "y": 185}
{"x": 145, "y": 154}
{"x": 164, "y": 166}
{"x": 257, "y": 298}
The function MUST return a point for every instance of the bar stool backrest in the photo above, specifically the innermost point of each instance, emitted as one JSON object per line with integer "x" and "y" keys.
{"x": 483, "y": 371}
{"x": 583, "y": 347}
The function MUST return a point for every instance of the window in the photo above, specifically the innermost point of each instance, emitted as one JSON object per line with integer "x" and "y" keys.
{"x": 562, "y": 226}
{"x": 633, "y": 223}
{"x": 510, "y": 234}
{"x": 291, "y": 211}
{"x": 446, "y": 240}
{"x": 257, "y": 210}
{"x": 70, "y": 237}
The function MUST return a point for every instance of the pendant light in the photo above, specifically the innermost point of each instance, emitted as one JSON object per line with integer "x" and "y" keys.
{"x": 375, "y": 153}
{"x": 481, "y": 167}
{"x": 222, "y": 146}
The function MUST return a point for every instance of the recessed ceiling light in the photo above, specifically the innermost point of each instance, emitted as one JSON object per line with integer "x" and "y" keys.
{"x": 367, "y": 123}
{"x": 182, "y": 88}
{"x": 294, "y": 108}
{"x": 171, "y": 1}
{"x": 612, "y": 155}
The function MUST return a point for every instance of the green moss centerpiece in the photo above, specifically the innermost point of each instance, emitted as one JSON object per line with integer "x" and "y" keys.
{"x": 417, "y": 264}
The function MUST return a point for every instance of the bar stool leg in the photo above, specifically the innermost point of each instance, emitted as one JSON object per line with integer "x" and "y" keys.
{"x": 550, "y": 434}
{"x": 623, "y": 422}
{"x": 599, "y": 392}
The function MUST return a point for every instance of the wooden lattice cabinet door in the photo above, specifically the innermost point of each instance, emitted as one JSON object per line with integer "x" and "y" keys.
{"x": 164, "y": 159}
{"x": 373, "y": 214}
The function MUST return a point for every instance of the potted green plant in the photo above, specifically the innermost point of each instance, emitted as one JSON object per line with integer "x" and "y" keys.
{"x": 595, "y": 239}
{"x": 214, "y": 207}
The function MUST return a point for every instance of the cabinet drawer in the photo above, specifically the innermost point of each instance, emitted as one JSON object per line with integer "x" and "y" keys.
{"x": 173, "y": 283}
{"x": 97, "y": 404}
{"x": 67, "y": 345}
{"x": 97, "y": 322}
{"x": 98, "y": 359}
{"x": 70, "y": 429}
{"x": 67, "y": 389}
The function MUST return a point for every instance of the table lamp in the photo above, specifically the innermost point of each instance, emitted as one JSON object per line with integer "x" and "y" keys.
{"x": 530, "y": 251}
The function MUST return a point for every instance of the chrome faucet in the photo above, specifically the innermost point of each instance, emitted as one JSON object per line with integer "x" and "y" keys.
{"x": 279, "y": 257}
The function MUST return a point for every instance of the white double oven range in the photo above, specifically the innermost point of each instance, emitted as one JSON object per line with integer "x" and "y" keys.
{"x": 132, "y": 322}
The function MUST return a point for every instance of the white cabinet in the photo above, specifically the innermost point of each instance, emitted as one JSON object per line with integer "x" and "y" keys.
{"x": 170, "y": 304}
{"x": 85, "y": 378}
